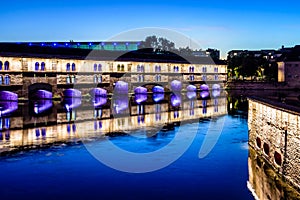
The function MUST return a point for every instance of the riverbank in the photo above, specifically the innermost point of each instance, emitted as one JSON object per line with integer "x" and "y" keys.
{"x": 257, "y": 85}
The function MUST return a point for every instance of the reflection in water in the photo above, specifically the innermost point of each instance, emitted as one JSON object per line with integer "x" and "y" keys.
{"x": 120, "y": 104}
{"x": 204, "y": 94}
{"x": 99, "y": 101}
{"x": 7, "y": 107}
{"x": 191, "y": 95}
{"x": 216, "y": 93}
{"x": 157, "y": 97}
{"x": 71, "y": 103}
{"x": 41, "y": 106}
{"x": 106, "y": 116}
{"x": 265, "y": 183}
{"x": 175, "y": 100}
{"x": 140, "y": 98}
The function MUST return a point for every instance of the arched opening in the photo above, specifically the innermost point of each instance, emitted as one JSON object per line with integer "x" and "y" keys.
{"x": 1, "y": 79}
{"x": 7, "y": 80}
{"x": 95, "y": 78}
{"x": 73, "y": 79}
{"x": 95, "y": 67}
{"x": 1, "y": 65}
{"x": 99, "y": 79}
{"x": 68, "y": 66}
{"x": 43, "y": 66}
{"x": 192, "y": 77}
{"x": 277, "y": 157}
{"x": 266, "y": 149}
{"x": 36, "y": 66}
{"x": 40, "y": 91}
{"x": 100, "y": 68}
{"x": 73, "y": 67}
{"x": 258, "y": 142}
{"x": 6, "y": 65}
{"x": 68, "y": 79}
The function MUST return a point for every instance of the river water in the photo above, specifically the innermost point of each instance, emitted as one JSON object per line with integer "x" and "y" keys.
{"x": 50, "y": 155}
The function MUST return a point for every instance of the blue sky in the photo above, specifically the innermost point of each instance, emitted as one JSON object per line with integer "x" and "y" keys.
{"x": 218, "y": 24}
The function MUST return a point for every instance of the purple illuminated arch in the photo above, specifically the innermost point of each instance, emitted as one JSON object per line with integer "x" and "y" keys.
{"x": 191, "y": 88}
{"x": 42, "y": 94}
{"x": 8, "y": 96}
{"x": 140, "y": 98}
{"x": 216, "y": 87}
{"x": 176, "y": 85}
{"x": 216, "y": 90}
{"x": 158, "y": 89}
{"x": 121, "y": 87}
{"x": 72, "y": 93}
{"x": 95, "y": 92}
{"x": 140, "y": 90}
{"x": 204, "y": 87}
{"x": 175, "y": 100}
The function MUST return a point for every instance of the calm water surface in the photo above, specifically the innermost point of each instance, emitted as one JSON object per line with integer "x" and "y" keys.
{"x": 69, "y": 171}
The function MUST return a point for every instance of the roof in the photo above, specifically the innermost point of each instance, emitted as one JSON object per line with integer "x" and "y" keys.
{"x": 64, "y": 52}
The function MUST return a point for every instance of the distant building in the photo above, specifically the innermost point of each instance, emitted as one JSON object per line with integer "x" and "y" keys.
{"x": 289, "y": 67}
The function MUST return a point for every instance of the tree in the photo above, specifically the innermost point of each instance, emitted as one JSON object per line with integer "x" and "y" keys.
{"x": 162, "y": 44}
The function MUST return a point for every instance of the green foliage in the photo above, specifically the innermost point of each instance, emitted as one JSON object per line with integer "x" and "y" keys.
{"x": 247, "y": 65}
{"x": 158, "y": 43}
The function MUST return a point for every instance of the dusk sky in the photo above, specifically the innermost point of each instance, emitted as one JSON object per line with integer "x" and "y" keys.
{"x": 224, "y": 25}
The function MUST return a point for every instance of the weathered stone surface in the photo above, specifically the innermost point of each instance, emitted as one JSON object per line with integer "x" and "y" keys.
{"x": 279, "y": 129}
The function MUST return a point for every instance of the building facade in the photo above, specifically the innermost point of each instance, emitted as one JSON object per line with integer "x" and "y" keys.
{"x": 23, "y": 73}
